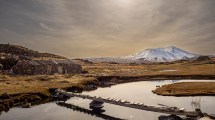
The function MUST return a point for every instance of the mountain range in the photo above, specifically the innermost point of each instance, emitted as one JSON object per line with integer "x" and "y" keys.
{"x": 167, "y": 54}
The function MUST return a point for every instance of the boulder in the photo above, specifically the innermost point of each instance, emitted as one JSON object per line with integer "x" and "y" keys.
{"x": 7, "y": 61}
{"x": 5, "y": 96}
{"x": 75, "y": 89}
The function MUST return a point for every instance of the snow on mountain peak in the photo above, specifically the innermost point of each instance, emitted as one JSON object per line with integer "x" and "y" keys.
{"x": 173, "y": 49}
{"x": 167, "y": 54}
{"x": 180, "y": 54}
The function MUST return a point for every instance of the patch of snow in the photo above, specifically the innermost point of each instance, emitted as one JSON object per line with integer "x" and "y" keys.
{"x": 180, "y": 54}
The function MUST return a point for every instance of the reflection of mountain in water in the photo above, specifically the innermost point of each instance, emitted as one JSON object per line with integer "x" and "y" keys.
{"x": 196, "y": 103}
{"x": 175, "y": 81}
{"x": 162, "y": 81}
{"x": 90, "y": 112}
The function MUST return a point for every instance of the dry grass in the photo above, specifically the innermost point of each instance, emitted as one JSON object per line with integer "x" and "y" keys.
{"x": 40, "y": 83}
{"x": 187, "y": 89}
{"x": 28, "y": 84}
{"x": 183, "y": 68}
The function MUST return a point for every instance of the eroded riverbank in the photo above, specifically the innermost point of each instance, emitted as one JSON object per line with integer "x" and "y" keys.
{"x": 35, "y": 89}
{"x": 135, "y": 91}
{"x": 15, "y": 90}
{"x": 100, "y": 75}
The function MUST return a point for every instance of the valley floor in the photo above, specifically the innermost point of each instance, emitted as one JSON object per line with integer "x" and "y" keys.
{"x": 39, "y": 85}
{"x": 183, "y": 68}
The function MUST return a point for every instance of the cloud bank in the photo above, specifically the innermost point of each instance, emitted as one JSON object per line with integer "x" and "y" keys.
{"x": 93, "y": 28}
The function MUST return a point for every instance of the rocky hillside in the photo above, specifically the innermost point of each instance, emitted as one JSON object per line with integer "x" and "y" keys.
{"x": 25, "y": 53}
{"x": 16, "y": 59}
{"x": 7, "y": 61}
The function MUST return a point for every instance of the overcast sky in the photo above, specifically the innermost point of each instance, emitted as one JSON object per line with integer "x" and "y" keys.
{"x": 95, "y": 28}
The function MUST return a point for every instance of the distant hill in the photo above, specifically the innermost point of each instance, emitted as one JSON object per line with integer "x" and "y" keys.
{"x": 25, "y": 53}
{"x": 154, "y": 55}
{"x": 167, "y": 54}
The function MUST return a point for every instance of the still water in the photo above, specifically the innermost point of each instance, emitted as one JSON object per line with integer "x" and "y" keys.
{"x": 136, "y": 91}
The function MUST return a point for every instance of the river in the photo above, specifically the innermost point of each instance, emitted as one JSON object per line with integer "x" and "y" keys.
{"x": 135, "y": 91}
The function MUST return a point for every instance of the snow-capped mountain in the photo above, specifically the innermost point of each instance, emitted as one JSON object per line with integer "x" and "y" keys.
{"x": 178, "y": 53}
{"x": 167, "y": 54}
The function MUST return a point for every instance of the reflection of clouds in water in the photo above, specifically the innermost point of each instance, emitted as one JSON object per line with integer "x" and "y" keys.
{"x": 136, "y": 91}
{"x": 131, "y": 116}
{"x": 98, "y": 114}
{"x": 48, "y": 108}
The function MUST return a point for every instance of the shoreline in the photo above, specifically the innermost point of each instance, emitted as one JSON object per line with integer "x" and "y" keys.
{"x": 14, "y": 89}
{"x": 14, "y": 100}
{"x": 124, "y": 79}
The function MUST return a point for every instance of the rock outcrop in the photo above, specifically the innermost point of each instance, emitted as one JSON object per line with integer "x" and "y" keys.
{"x": 202, "y": 58}
{"x": 7, "y": 61}
{"x": 36, "y": 67}
{"x": 21, "y": 60}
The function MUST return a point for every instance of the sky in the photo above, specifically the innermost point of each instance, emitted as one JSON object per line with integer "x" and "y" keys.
{"x": 108, "y": 28}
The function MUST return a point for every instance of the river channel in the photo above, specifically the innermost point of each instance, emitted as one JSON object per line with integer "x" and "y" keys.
{"x": 134, "y": 91}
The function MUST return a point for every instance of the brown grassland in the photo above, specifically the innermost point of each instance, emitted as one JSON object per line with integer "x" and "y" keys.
{"x": 16, "y": 84}
{"x": 35, "y": 88}
{"x": 165, "y": 69}
{"x": 39, "y": 83}
{"x": 187, "y": 89}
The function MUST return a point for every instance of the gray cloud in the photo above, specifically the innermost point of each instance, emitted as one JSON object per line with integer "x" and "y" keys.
{"x": 46, "y": 27}
{"x": 84, "y": 28}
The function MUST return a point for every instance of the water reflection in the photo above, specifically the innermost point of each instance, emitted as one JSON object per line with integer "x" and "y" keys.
{"x": 86, "y": 111}
{"x": 175, "y": 81}
{"x": 173, "y": 117}
{"x": 136, "y": 91}
{"x": 196, "y": 103}
{"x": 108, "y": 117}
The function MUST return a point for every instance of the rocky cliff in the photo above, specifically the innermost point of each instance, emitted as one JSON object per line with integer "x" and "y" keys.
{"x": 20, "y": 60}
